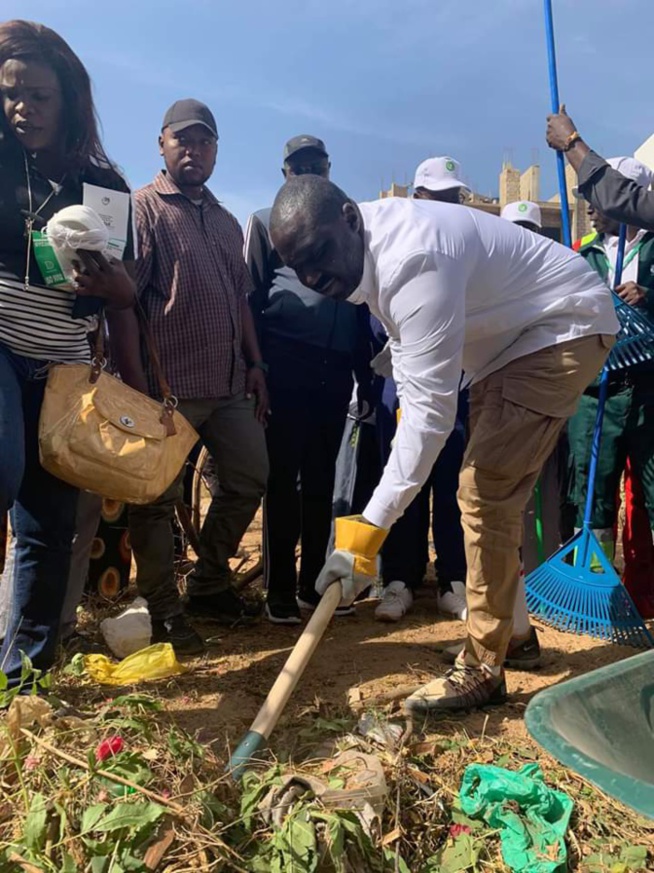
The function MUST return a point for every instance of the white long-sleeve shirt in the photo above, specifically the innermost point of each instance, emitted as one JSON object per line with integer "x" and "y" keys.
{"x": 458, "y": 289}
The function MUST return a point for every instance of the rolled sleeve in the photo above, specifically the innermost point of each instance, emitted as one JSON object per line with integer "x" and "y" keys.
{"x": 615, "y": 195}
{"x": 429, "y": 312}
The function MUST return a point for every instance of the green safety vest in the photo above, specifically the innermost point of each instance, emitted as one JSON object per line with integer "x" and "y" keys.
{"x": 591, "y": 249}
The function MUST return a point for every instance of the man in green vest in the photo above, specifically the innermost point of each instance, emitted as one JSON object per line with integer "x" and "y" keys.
{"x": 629, "y": 416}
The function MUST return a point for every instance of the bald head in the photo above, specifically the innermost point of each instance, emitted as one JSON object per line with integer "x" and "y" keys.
{"x": 314, "y": 198}
{"x": 317, "y": 230}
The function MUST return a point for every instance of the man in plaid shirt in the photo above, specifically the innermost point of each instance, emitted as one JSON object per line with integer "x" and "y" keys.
{"x": 193, "y": 284}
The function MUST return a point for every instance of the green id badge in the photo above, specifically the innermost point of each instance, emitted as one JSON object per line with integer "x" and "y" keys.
{"x": 46, "y": 258}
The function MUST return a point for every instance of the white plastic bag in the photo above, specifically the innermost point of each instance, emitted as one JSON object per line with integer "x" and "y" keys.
{"x": 130, "y": 631}
{"x": 382, "y": 364}
{"x": 76, "y": 227}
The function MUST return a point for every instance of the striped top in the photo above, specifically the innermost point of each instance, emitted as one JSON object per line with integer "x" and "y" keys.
{"x": 38, "y": 322}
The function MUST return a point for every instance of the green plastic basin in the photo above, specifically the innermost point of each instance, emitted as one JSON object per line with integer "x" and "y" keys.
{"x": 601, "y": 725}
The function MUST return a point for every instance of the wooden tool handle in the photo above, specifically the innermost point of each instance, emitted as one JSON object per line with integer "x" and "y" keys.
{"x": 279, "y": 694}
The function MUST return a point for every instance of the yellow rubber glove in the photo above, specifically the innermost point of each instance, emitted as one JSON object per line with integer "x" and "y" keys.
{"x": 354, "y": 560}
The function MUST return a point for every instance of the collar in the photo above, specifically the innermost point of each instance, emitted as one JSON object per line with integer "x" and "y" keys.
{"x": 164, "y": 184}
{"x": 367, "y": 286}
{"x": 72, "y": 176}
{"x": 612, "y": 241}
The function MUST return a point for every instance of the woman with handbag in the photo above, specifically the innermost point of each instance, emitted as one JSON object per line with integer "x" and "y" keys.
{"x": 49, "y": 148}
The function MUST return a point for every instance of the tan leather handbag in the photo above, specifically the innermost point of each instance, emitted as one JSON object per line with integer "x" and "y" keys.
{"x": 98, "y": 434}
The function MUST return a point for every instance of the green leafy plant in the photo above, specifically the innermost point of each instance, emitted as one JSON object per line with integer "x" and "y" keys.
{"x": 32, "y": 681}
{"x": 627, "y": 859}
{"x": 457, "y": 856}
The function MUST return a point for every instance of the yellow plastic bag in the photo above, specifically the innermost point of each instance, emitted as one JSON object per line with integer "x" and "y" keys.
{"x": 155, "y": 662}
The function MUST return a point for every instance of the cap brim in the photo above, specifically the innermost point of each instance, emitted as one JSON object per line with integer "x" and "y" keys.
{"x": 445, "y": 185}
{"x": 304, "y": 148}
{"x": 178, "y": 126}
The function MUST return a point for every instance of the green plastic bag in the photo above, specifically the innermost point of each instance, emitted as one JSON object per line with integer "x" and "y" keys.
{"x": 531, "y": 817}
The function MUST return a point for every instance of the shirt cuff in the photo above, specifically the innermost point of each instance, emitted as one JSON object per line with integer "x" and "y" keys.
{"x": 379, "y": 514}
{"x": 590, "y": 165}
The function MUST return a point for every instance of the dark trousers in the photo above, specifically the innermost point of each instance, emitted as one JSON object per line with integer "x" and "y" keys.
{"x": 235, "y": 439}
{"x": 309, "y": 400}
{"x": 406, "y": 551}
{"x": 628, "y": 430}
{"x": 43, "y": 520}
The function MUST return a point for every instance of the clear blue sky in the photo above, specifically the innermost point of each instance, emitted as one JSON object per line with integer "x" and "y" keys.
{"x": 385, "y": 83}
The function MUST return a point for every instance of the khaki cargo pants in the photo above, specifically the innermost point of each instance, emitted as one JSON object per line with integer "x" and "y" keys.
{"x": 516, "y": 415}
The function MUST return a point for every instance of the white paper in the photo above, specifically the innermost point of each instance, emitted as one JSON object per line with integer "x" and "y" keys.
{"x": 113, "y": 209}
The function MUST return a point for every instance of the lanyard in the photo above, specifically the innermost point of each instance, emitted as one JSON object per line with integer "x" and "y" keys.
{"x": 32, "y": 215}
{"x": 627, "y": 260}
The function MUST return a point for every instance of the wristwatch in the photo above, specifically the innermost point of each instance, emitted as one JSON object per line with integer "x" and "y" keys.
{"x": 571, "y": 140}
{"x": 258, "y": 365}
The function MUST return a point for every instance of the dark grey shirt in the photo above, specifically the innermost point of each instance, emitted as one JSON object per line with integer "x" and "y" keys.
{"x": 614, "y": 195}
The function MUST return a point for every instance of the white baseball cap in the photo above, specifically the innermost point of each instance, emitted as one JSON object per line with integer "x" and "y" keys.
{"x": 522, "y": 210}
{"x": 631, "y": 168}
{"x": 439, "y": 174}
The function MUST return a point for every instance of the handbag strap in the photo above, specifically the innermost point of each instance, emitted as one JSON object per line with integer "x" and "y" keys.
{"x": 153, "y": 352}
{"x": 98, "y": 362}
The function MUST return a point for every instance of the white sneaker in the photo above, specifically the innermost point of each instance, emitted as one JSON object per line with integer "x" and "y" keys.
{"x": 396, "y": 601}
{"x": 454, "y": 602}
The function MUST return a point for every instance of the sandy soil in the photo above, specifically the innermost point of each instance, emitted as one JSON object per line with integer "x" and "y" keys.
{"x": 223, "y": 691}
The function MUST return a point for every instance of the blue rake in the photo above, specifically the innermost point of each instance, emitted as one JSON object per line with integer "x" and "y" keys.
{"x": 567, "y": 594}
{"x": 577, "y": 589}
{"x": 635, "y": 341}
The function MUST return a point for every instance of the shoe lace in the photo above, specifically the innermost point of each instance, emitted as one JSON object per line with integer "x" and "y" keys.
{"x": 465, "y": 677}
{"x": 390, "y": 596}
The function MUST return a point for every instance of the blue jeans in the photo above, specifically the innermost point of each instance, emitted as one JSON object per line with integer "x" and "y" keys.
{"x": 43, "y": 519}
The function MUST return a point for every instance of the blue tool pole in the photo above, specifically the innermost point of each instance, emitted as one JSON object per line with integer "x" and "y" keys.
{"x": 556, "y": 105}
{"x": 601, "y": 402}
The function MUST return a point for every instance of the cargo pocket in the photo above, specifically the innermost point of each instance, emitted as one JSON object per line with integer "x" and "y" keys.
{"x": 551, "y": 381}
{"x": 510, "y": 431}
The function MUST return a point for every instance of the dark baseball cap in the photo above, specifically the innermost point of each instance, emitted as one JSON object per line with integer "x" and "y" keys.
{"x": 303, "y": 142}
{"x": 186, "y": 113}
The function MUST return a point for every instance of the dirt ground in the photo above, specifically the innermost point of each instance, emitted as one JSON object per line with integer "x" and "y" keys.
{"x": 225, "y": 689}
{"x": 222, "y": 691}
{"x": 217, "y": 698}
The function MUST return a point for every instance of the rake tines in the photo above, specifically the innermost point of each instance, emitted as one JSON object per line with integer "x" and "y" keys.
{"x": 635, "y": 340}
{"x": 566, "y": 594}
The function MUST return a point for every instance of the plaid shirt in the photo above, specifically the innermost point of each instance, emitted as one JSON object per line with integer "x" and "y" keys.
{"x": 192, "y": 281}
